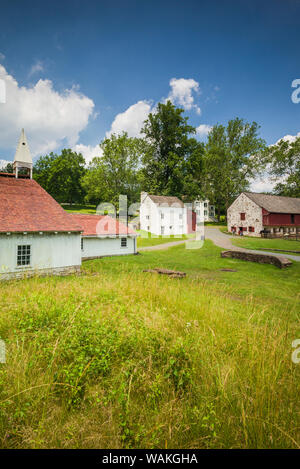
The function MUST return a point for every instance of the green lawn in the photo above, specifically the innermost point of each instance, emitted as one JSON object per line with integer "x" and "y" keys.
{"x": 148, "y": 239}
{"x": 119, "y": 358}
{"x": 77, "y": 208}
{"x": 265, "y": 244}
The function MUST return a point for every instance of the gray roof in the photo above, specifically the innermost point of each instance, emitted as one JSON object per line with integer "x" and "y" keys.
{"x": 275, "y": 203}
{"x": 165, "y": 200}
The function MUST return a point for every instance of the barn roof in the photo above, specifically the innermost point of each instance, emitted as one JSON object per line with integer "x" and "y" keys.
{"x": 275, "y": 203}
{"x": 166, "y": 200}
{"x": 26, "y": 206}
{"x": 101, "y": 225}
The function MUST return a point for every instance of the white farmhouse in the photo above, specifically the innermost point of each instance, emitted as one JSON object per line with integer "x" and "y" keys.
{"x": 205, "y": 211}
{"x": 163, "y": 215}
{"x": 36, "y": 234}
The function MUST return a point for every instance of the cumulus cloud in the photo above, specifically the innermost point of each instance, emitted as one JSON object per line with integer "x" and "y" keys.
{"x": 262, "y": 185}
{"x": 203, "y": 130}
{"x": 181, "y": 93}
{"x": 131, "y": 120}
{"x": 37, "y": 67}
{"x": 50, "y": 118}
{"x": 3, "y": 163}
{"x": 88, "y": 151}
{"x": 289, "y": 138}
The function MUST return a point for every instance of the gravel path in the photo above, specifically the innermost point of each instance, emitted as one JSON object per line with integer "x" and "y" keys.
{"x": 159, "y": 247}
{"x": 219, "y": 239}
{"x": 224, "y": 241}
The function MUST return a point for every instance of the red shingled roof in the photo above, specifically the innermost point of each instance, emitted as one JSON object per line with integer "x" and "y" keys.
{"x": 101, "y": 225}
{"x": 26, "y": 206}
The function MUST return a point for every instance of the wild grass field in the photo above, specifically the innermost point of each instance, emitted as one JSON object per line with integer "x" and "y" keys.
{"x": 119, "y": 358}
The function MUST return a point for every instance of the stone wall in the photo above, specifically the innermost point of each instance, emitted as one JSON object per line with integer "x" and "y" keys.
{"x": 61, "y": 271}
{"x": 253, "y": 215}
{"x": 280, "y": 262}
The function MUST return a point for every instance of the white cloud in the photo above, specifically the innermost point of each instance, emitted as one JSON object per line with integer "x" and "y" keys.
{"x": 37, "y": 67}
{"x": 2, "y": 56}
{"x": 203, "y": 130}
{"x": 289, "y": 138}
{"x": 88, "y": 151}
{"x": 3, "y": 163}
{"x": 262, "y": 185}
{"x": 50, "y": 118}
{"x": 131, "y": 120}
{"x": 181, "y": 93}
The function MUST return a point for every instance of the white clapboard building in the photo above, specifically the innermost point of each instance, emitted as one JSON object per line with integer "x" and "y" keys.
{"x": 163, "y": 215}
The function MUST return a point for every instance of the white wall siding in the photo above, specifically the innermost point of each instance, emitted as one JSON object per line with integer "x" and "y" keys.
{"x": 99, "y": 247}
{"x": 163, "y": 219}
{"x": 48, "y": 251}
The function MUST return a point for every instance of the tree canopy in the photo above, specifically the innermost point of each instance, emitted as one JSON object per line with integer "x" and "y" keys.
{"x": 60, "y": 175}
{"x": 232, "y": 158}
{"x": 116, "y": 172}
{"x": 283, "y": 161}
{"x": 172, "y": 162}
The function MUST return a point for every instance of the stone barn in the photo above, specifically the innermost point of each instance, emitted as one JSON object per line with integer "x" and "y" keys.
{"x": 256, "y": 213}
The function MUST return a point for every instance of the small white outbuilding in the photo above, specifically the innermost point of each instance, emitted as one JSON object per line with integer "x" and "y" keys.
{"x": 104, "y": 236}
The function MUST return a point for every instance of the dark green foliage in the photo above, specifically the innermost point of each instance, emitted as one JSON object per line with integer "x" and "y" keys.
{"x": 60, "y": 175}
{"x": 116, "y": 172}
{"x": 172, "y": 160}
{"x": 232, "y": 159}
{"x": 283, "y": 160}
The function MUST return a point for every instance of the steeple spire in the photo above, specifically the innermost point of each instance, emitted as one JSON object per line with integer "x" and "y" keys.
{"x": 23, "y": 157}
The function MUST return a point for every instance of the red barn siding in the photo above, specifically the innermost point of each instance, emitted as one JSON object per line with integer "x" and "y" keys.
{"x": 279, "y": 219}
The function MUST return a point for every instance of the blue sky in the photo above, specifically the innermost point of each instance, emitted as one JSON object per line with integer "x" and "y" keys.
{"x": 76, "y": 70}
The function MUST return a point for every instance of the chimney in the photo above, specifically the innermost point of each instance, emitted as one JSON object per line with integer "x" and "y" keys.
{"x": 23, "y": 157}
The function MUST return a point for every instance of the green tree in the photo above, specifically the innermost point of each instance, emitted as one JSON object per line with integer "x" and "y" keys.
{"x": 61, "y": 175}
{"x": 116, "y": 172}
{"x": 8, "y": 168}
{"x": 172, "y": 159}
{"x": 284, "y": 164}
{"x": 232, "y": 159}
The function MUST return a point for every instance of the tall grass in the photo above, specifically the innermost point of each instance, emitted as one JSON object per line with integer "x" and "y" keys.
{"x": 120, "y": 358}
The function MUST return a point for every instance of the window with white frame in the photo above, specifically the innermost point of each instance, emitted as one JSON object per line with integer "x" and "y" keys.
{"x": 123, "y": 242}
{"x": 23, "y": 254}
{"x": 180, "y": 216}
{"x": 82, "y": 244}
{"x": 147, "y": 217}
{"x": 162, "y": 216}
{"x": 162, "y": 229}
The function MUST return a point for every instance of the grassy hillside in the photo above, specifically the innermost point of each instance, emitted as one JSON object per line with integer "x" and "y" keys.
{"x": 120, "y": 358}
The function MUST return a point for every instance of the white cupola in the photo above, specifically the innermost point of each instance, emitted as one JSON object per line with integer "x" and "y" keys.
{"x": 23, "y": 157}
